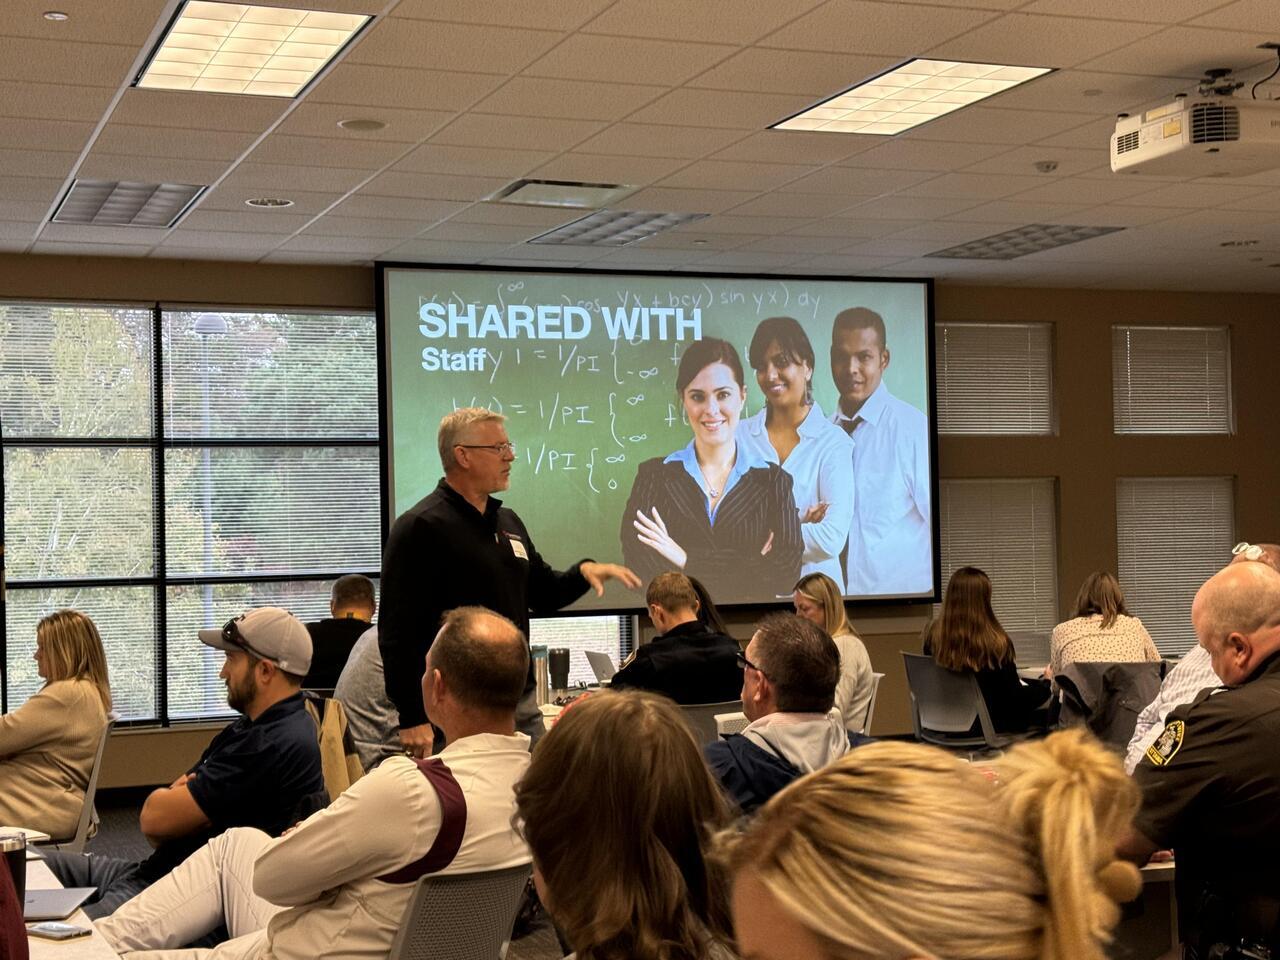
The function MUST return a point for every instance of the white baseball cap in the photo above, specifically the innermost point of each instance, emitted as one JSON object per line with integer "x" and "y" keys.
{"x": 267, "y": 633}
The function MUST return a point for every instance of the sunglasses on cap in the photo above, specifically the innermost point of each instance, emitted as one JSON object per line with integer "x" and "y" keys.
{"x": 231, "y": 634}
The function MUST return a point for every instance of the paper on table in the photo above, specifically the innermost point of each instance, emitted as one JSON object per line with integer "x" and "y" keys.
{"x": 33, "y": 836}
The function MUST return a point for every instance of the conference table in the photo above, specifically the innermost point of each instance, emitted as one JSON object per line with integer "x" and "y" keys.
{"x": 92, "y": 947}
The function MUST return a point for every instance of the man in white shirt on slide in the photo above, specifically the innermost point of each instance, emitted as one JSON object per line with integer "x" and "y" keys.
{"x": 338, "y": 883}
{"x": 891, "y": 538}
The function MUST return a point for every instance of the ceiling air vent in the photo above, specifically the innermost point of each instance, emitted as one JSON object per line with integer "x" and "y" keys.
{"x": 124, "y": 203}
{"x": 614, "y": 228}
{"x": 1214, "y": 123}
{"x": 1021, "y": 241}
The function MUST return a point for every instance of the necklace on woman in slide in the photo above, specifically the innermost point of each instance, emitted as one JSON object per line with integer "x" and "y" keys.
{"x": 712, "y": 491}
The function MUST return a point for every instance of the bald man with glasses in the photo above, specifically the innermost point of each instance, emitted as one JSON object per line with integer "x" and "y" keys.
{"x": 459, "y": 546}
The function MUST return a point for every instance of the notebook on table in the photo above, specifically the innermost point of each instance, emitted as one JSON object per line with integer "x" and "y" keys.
{"x": 54, "y": 904}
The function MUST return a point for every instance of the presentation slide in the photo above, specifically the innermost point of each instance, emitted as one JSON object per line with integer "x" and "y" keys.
{"x": 748, "y": 431}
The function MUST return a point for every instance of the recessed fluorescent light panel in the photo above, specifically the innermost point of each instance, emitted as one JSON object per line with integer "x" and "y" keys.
{"x": 615, "y": 228}
{"x": 562, "y": 193}
{"x": 126, "y": 204}
{"x": 909, "y": 95}
{"x": 240, "y": 48}
{"x": 1021, "y": 241}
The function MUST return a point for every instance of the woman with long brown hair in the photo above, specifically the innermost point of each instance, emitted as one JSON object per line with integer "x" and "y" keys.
{"x": 47, "y": 745}
{"x": 1101, "y": 630}
{"x": 968, "y": 637}
{"x": 620, "y": 855}
{"x": 899, "y": 851}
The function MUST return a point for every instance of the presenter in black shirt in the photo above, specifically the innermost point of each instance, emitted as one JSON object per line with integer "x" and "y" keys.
{"x": 457, "y": 547}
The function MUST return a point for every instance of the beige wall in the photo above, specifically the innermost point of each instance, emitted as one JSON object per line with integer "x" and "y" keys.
{"x": 1085, "y": 456}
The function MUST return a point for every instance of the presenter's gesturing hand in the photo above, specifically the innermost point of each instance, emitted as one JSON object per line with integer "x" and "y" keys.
{"x": 652, "y": 532}
{"x": 597, "y": 573}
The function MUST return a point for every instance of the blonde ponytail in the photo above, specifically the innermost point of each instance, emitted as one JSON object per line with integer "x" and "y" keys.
{"x": 1072, "y": 801}
{"x": 902, "y": 850}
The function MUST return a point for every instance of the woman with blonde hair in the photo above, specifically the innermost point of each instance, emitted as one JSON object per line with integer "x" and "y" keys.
{"x": 968, "y": 637}
{"x": 1101, "y": 630}
{"x": 47, "y": 746}
{"x": 620, "y": 859}
{"x": 899, "y": 851}
{"x": 817, "y": 599}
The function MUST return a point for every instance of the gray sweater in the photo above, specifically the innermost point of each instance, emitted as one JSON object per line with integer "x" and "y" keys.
{"x": 371, "y": 717}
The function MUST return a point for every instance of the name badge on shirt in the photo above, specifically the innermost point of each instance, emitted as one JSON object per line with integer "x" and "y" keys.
{"x": 517, "y": 547}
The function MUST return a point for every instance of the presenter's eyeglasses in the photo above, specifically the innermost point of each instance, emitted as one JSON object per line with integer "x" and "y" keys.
{"x": 744, "y": 662}
{"x": 1251, "y": 551}
{"x": 501, "y": 449}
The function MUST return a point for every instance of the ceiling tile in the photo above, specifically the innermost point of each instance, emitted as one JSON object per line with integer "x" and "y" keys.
{"x": 317, "y": 152}
{"x": 1029, "y": 40}
{"x": 653, "y": 140}
{"x": 1083, "y": 91}
{"x": 1148, "y": 11}
{"x": 1193, "y": 194}
{"x": 909, "y": 208}
{"x": 126, "y": 140}
{"x": 796, "y": 146}
{"x": 596, "y": 168}
{"x": 888, "y": 29}
{"x": 1022, "y": 160}
{"x": 713, "y": 174}
{"x": 425, "y": 212}
{"x": 793, "y": 243}
{"x": 561, "y": 15}
{"x": 847, "y": 264}
{"x": 572, "y": 99}
{"x": 59, "y": 249}
{"x": 907, "y": 154}
{"x": 1111, "y": 215}
{"x": 726, "y": 224}
{"x": 277, "y": 179}
{"x": 432, "y": 186}
{"x": 314, "y": 257}
{"x": 90, "y": 22}
{"x": 476, "y": 161}
{"x": 36, "y": 163}
{"x": 230, "y": 197}
{"x": 1185, "y": 52}
{"x": 788, "y": 204}
{"x": 737, "y": 259}
{"x": 515, "y": 215}
{"x": 179, "y": 108}
{"x": 29, "y": 211}
{"x": 974, "y": 186}
{"x": 50, "y": 101}
{"x": 88, "y": 233}
{"x": 1263, "y": 201}
{"x": 758, "y": 70}
{"x": 52, "y": 61}
{"x": 352, "y": 246}
{"x": 526, "y": 133}
{"x": 10, "y": 231}
{"x": 228, "y": 241}
{"x": 179, "y": 252}
{"x": 395, "y": 42}
{"x": 589, "y": 57}
{"x": 250, "y": 221}
{"x": 892, "y": 247}
{"x": 481, "y": 233}
{"x": 1077, "y": 190}
{"x": 856, "y": 181}
{"x": 717, "y": 108}
{"x": 368, "y": 86}
{"x": 740, "y": 22}
{"x": 942, "y": 233}
{"x": 669, "y": 200}
{"x": 694, "y": 243}
{"x": 1251, "y": 15}
{"x": 850, "y": 229}
{"x": 989, "y": 125}
{"x": 107, "y": 166}
{"x": 23, "y": 133}
{"x": 402, "y": 126}
{"x": 641, "y": 256}
{"x": 445, "y": 250}
{"x": 1012, "y": 211}
{"x": 339, "y": 226}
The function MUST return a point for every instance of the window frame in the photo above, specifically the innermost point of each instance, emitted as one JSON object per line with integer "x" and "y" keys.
{"x": 158, "y": 444}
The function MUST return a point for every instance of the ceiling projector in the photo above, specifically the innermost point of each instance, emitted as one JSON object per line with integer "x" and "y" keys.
{"x": 1209, "y": 135}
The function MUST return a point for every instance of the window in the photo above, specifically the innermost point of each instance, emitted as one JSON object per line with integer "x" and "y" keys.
{"x": 1173, "y": 534}
{"x": 1007, "y": 528}
{"x": 611, "y": 635}
{"x": 166, "y": 469}
{"x": 995, "y": 378}
{"x": 1171, "y": 379}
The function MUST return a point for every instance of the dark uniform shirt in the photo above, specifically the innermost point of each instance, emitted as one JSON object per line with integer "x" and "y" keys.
{"x": 690, "y": 663}
{"x": 255, "y": 773}
{"x": 331, "y": 641}
{"x": 444, "y": 553}
{"x": 1211, "y": 791}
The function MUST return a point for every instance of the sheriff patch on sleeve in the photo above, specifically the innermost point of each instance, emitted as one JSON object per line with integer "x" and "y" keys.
{"x": 1167, "y": 744}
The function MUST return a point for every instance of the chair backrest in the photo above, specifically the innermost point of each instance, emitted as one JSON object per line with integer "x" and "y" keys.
{"x": 462, "y": 916}
{"x": 871, "y": 707}
{"x": 730, "y": 723}
{"x": 946, "y": 704}
{"x": 88, "y": 815}
{"x": 702, "y": 717}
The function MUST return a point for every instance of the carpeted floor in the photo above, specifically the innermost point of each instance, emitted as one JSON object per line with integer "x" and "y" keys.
{"x": 118, "y": 836}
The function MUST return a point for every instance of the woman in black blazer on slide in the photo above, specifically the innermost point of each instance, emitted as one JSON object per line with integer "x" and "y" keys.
{"x": 713, "y": 509}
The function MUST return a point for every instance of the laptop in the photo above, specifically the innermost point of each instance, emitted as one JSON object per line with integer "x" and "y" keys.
{"x": 601, "y": 665}
{"x": 55, "y": 904}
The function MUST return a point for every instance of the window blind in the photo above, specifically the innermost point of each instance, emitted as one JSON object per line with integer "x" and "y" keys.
{"x": 1173, "y": 533}
{"x": 995, "y": 378}
{"x": 1171, "y": 379}
{"x": 1008, "y": 529}
{"x": 611, "y": 635}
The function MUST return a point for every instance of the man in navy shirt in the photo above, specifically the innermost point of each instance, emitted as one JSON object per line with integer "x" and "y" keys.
{"x": 259, "y": 771}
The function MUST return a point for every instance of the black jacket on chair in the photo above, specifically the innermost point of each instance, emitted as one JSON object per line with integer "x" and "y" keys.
{"x": 690, "y": 663}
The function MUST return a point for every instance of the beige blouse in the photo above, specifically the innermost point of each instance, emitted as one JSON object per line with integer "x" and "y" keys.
{"x": 47, "y": 748}
{"x": 856, "y": 683}
{"x": 1083, "y": 640}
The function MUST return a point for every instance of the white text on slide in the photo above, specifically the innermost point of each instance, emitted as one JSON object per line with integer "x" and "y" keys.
{"x": 555, "y": 322}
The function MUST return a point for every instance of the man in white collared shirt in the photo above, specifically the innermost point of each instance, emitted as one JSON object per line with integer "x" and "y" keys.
{"x": 890, "y": 539}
